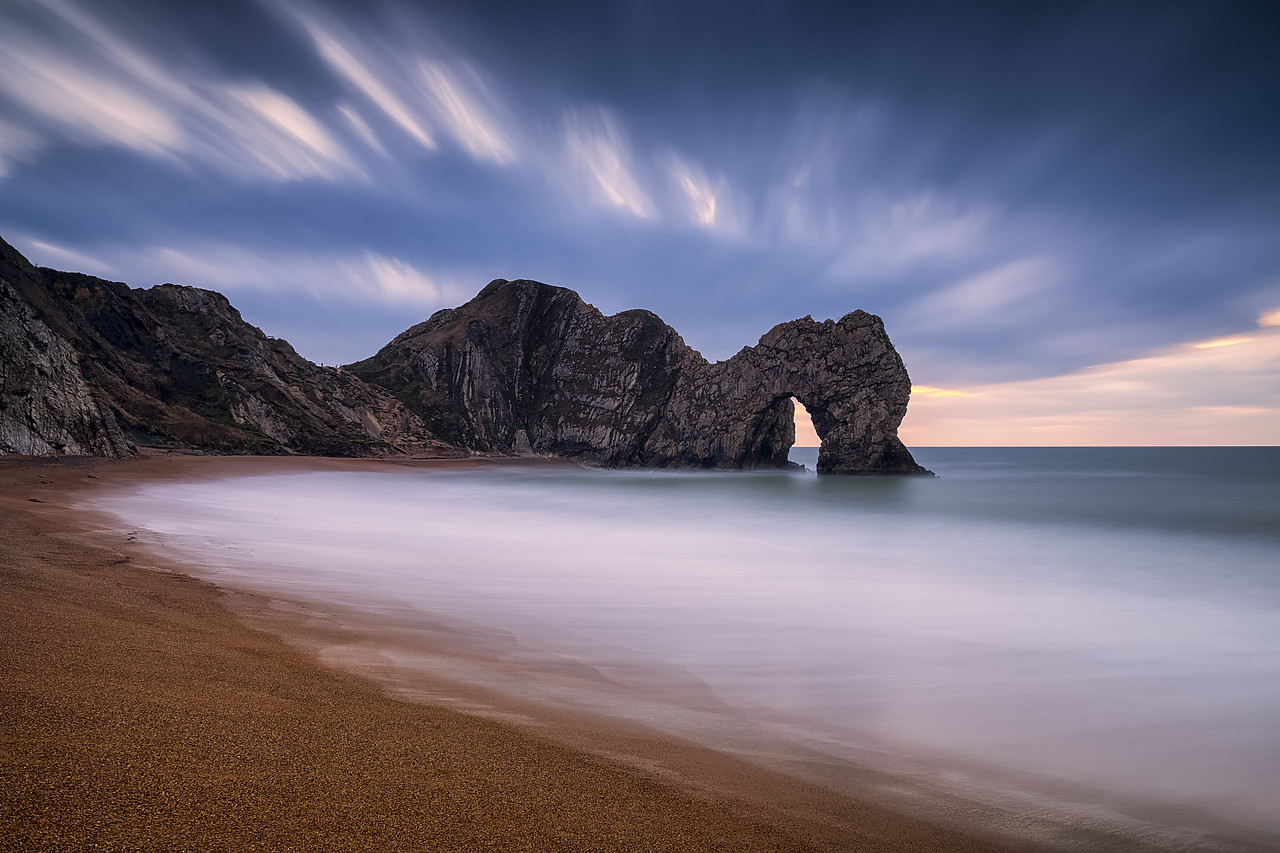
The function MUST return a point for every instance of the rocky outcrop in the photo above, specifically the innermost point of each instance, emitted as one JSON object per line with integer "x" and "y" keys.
{"x": 91, "y": 366}
{"x": 529, "y": 368}
{"x": 46, "y": 407}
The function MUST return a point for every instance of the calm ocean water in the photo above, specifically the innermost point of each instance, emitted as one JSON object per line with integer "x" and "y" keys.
{"x": 1107, "y": 616}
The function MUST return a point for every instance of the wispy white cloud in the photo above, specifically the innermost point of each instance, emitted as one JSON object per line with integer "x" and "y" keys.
{"x": 83, "y": 99}
{"x": 16, "y": 144}
{"x": 359, "y": 277}
{"x": 47, "y": 254}
{"x": 1219, "y": 391}
{"x": 286, "y": 140}
{"x": 698, "y": 190}
{"x": 413, "y": 83}
{"x": 1007, "y": 294}
{"x": 808, "y": 202}
{"x": 598, "y": 147}
{"x": 361, "y": 127}
{"x": 354, "y": 63}
{"x": 704, "y": 202}
{"x": 922, "y": 228}
{"x": 89, "y": 83}
{"x": 464, "y": 106}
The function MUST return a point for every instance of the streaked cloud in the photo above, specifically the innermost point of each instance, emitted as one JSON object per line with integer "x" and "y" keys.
{"x": 363, "y": 277}
{"x": 16, "y": 144}
{"x": 413, "y": 82}
{"x": 698, "y": 192}
{"x": 598, "y": 148}
{"x": 460, "y": 104}
{"x": 84, "y": 99}
{"x": 361, "y": 127}
{"x": 360, "y": 277}
{"x": 50, "y": 255}
{"x": 1009, "y": 294}
{"x": 93, "y": 86}
{"x": 284, "y": 138}
{"x": 909, "y": 232}
{"x": 1225, "y": 393}
{"x": 354, "y": 63}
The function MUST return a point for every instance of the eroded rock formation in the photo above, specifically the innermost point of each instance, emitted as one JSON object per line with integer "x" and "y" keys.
{"x": 530, "y": 368}
{"x": 93, "y": 367}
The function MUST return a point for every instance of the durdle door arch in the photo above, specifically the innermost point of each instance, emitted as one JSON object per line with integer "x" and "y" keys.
{"x": 845, "y": 373}
{"x": 530, "y": 368}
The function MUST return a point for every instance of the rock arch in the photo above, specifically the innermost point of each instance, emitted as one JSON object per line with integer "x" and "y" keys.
{"x": 527, "y": 367}
{"x": 846, "y": 373}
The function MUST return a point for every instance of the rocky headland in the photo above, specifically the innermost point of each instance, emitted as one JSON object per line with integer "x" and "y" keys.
{"x": 92, "y": 367}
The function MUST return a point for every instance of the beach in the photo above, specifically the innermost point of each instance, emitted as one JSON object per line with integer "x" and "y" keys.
{"x": 163, "y": 696}
{"x": 140, "y": 713}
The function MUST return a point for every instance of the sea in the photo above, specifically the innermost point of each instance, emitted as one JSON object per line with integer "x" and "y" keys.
{"x": 1104, "y": 620}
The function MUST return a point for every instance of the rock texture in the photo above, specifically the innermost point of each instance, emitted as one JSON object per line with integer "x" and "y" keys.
{"x": 530, "y": 368}
{"x": 46, "y": 407}
{"x": 92, "y": 367}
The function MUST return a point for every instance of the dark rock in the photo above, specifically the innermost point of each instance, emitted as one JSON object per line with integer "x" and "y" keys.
{"x": 92, "y": 367}
{"x": 526, "y": 367}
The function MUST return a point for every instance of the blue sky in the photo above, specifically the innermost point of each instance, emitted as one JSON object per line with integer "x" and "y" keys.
{"x": 1032, "y": 195}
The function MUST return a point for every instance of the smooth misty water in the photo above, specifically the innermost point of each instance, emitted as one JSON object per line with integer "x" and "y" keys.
{"x": 1105, "y": 616}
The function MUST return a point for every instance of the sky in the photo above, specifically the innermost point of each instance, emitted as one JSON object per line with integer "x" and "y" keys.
{"x": 1067, "y": 213}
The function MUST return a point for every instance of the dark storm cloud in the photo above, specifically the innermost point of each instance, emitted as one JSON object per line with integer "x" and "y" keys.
{"x": 1020, "y": 189}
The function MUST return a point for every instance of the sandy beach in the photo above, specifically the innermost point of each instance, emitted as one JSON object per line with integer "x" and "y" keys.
{"x": 141, "y": 713}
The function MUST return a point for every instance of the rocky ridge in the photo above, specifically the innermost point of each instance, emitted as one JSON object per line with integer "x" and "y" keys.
{"x": 525, "y": 367}
{"x": 89, "y": 366}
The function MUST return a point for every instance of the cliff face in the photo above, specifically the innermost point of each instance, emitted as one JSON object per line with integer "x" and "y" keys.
{"x": 90, "y": 366}
{"x": 46, "y": 406}
{"x": 526, "y": 367}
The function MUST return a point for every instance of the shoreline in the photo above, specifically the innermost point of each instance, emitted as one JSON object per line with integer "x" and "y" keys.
{"x": 708, "y": 799}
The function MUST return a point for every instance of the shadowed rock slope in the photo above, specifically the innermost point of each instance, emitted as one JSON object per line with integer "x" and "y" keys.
{"x": 92, "y": 367}
{"x": 526, "y": 367}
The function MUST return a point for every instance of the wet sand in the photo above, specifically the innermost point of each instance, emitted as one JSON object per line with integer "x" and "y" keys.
{"x": 145, "y": 709}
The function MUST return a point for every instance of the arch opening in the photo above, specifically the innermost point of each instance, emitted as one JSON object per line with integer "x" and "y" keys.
{"x": 804, "y": 449}
{"x": 806, "y": 435}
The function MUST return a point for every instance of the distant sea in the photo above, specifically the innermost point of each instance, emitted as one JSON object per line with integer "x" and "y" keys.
{"x": 1108, "y": 617}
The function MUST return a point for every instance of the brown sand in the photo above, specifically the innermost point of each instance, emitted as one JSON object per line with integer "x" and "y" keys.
{"x": 138, "y": 713}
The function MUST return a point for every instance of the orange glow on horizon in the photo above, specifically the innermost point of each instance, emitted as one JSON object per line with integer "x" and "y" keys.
{"x": 806, "y": 435}
{"x": 1222, "y": 342}
{"x": 1222, "y": 391}
{"x": 930, "y": 391}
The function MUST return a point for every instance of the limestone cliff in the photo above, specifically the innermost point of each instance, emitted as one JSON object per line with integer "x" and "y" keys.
{"x": 93, "y": 367}
{"x": 530, "y": 368}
